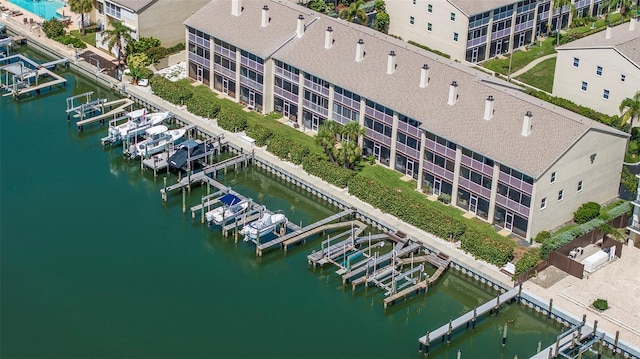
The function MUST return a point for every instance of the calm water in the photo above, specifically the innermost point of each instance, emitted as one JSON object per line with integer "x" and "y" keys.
{"x": 95, "y": 265}
{"x": 46, "y": 9}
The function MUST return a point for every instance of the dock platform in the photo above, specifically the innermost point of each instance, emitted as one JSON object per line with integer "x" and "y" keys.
{"x": 302, "y": 232}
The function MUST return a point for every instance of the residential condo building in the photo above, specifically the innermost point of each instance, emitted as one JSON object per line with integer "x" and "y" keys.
{"x": 601, "y": 70}
{"x": 503, "y": 156}
{"x": 476, "y": 30}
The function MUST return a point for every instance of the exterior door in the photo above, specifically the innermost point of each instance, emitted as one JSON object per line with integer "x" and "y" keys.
{"x": 252, "y": 99}
{"x": 315, "y": 122}
{"x": 508, "y": 221}
{"x": 474, "y": 55}
{"x": 521, "y": 39}
{"x": 473, "y": 204}
{"x": 498, "y": 48}
{"x": 437, "y": 186}
{"x": 409, "y": 169}
{"x": 225, "y": 86}
{"x": 285, "y": 109}
{"x": 199, "y": 73}
{"x": 376, "y": 151}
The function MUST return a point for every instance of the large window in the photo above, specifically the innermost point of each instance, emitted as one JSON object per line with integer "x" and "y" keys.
{"x": 252, "y": 57}
{"x": 345, "y": 112}
{"x": 286, "y": 85}
{"x": 316, "y": 80}
{"x": 478, "y": 157}
{"x": 408, "y": 120}
{"x": 287, "y": 67}
{"x": 250, "y": 74}
{"x": 409, "y": 141}
{"x": 475, "y": 177}
{"x": 316, "y": 99}
{"x": 516, "y": 174}
{"x": 200, "y": 51}
{"x": 514, "y": 195}
{"x": 377, "y": 126}
{"x": 439, "y": 161}
{"x": 113, "y": 10}
{"x": 347, "y": 93}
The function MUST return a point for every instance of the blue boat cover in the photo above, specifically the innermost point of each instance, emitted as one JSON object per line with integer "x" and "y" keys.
{"x": 230, "y": 199}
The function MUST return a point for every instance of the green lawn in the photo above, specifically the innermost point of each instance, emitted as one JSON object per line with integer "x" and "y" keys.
{"x": 89, "y": 37}
{"x": 541, "y": 75}
{"x": 521, "y": 58}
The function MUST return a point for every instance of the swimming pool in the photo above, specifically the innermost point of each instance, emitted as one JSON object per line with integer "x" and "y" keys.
{"x": 46, "y": 9}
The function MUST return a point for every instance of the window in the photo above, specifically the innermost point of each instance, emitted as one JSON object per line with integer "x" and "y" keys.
{"x": 429, "y": 26}
{"x": 560, "y": 195}
{"x": 455, "y": 36}
{"x": 623, "y": 77}
{"x": 580, "y": 186}
{"x": 584, "y": 86}
{"x": 576, "y": 62}
{"x": 598, "y": 70}
{"x": 543, "y": 203}
{"x": 553, "y": 177}
{"x": 429, "y": 8}
{"x": 453, "y": 16}
{"x": 412, "y": 20}
{"x": 605, "y": 94}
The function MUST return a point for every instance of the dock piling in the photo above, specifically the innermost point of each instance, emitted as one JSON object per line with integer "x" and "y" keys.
{"x": 504, "y": 334}
{"x": 426, "y": 345}
{"x": 539, "y": 346}
{"x": 184, "y": 201}
{"x": 475, "y": 315}
{"x": 449, "y": 332}
{"x": 615, "y": 343}
{"x": 550, "y": 308}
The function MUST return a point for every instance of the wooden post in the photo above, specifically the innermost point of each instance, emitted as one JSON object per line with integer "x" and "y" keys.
{"x": 519, "y": 293}
{"x": 504, "y": 334}
{"x": 550, "y": 353}
{"x": 539, "y": 346}
{"x": 615, "y": 343}
{"x": 550, "y": 310}
{"x": 473, "y": 321}
{"x": 426, "y": 343}
{"x": 459, "y": 354}
{"x": 449, "y": 332}
{"x": 496, "y": 307}
{"x": 595, "y": 327}
{"x": 164, "y": 194}
{"x": 600, "y": 348}
{"x": 184, "y": 201}
{"x": 201, "y": 210}
{"x": 557, "y": 347}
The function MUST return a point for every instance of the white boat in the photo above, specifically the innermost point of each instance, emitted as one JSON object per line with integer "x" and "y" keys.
{"x": 157, "y": 138}
{"x": 232, "y": 206}
{"x": 136, "y": 123}
{"x": 263, "y": 226}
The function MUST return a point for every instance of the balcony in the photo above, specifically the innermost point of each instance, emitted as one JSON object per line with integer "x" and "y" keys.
{"x": 477, "y": 166}
{"x": 524, "y": 26}
{"x": 477, "y": 41}
{"x": 199, "y": 60}
{"x": 408, "y": 151}
{"x": 340, "y": 119}
{"x": 224, "y": 71}
{"x": 315, "y": 108}
{"x": 440, "y": 149}
{"x": 436, "y": 170}
{"x": 316, "y": 88}
{"x": 475, "y": 188}
{"x": 254, "y": 65}
{"x": 346, "y": 101}
{"x": 287, "y": 75}
{"x": 286, "y": 95}
{"x": 378, "y": 137}
{"x": 512, "y": 205}
{"x": 634, "y": 226}
{"x": 255, "y": 85}
{"x": 408, "y": 129}
{"x": 231, "y": 55}
{"x": 199, "y": 40}
{"x": 380, "y": 116}
{"x": 515, "y": 183}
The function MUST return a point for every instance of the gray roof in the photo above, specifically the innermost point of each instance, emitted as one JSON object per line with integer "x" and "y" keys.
{"x": 245, "y": 31}
{"x": 474, "y": 7}
{"x": 555, "y": 130}
{"x": 622, "y": 39}
{"x": 135, "y": 5}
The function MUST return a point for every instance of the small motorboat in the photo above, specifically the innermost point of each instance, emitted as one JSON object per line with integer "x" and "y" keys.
{"x": 137, "y": 122}
{"x": 232, "y": 206}
{"x": 156, "y": 140}
{"x": 263, "y": 226}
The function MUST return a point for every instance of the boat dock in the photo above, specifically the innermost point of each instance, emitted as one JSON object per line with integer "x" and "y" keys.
{"x": 203, "y": 175}
{"x": 357, "y": 228}
{"x": 301, "y": 233}
{"x": 20, "y": 75}
{"x": 159, "y": 161}
{"x": 444, "y": 332}
{"x": 574, "y": 342}
{"x": 358, "y": 274}
{"x": 115, "y": 108}
{"x": 332, "y": 251}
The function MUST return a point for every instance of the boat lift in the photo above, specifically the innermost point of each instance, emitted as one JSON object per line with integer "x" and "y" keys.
{"x": 81, "y": 110}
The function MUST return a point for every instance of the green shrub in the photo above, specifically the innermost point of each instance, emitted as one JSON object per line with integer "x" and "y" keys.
{"x": 298, "y": 153}
{"x": 260, "y": 134}
{"x": 429, "y": 49}
{"x": 571, "y": 106}
{"x": 203, "y": 105}
{"x": 155, "y": 54}
{"x": 68, "y": 39}
{"x": 53, "y": 28}
{"x": 178, "y": 93}
{"x": 586, "y": 212}
{"x": 279, "y": 146}
{"x": 601, "y": 304}
{"x": 175, "y": 48}
{"x": 526, "y": 262}
{"x": 444, "y": 198}
{"x": 232, "y": 119}
{"x": 542, "y": 236}
{"x": 328, "y": 171}
{"x": 145, "y": 43}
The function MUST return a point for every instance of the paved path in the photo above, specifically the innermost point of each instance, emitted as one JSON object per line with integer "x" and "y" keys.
{"x": 532, "y": 64}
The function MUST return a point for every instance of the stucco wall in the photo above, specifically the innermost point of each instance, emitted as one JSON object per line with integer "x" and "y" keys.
{"x": 568, "y": 79}
{"x": 601, "y": 179}
{"x": 164, "y": 20}
{"x": 441, "y": 36}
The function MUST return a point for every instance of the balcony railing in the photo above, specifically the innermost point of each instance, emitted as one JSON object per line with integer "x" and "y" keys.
{"x": 199, "y": 40}
{"x": 477, "y": 41}
{"x": 524, "y": 26}
{"x": 346, "y": 101}
{"x": 512, "y": 205}
{"x": 377, "y": 136}
{"x": 199, "y": 60}
{"x": 634, "y": 226}
{"x": 287, "y": 75}
{"x": 224, "y": 71}
{"x": 408, "y": 129}
{"x": 478, "y": 166}
{"x": 315, "y": 108}
{"x": 436, "y": 170}
{"x": 501, "y": 33}
{"x": 254, "y": 65}
{"x": 340, "y": 119}
{"x": 515, "y": 183}
{"x": 231, "y": 55}
{"x": 475, "y": 188}
{"x": 408, "y": 151}
{"x": 378, "y": 115}
{"x": 251, "y": 83}
{"x": 286, "y": 94}
{"x": 440, "y": 149}
{"x": 316, "y": 88}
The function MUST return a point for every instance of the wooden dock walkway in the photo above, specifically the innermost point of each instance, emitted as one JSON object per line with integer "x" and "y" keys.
{"x": 470, "y": 316}
{"x": 351, "y": 275}
{"x": 302, "y": 232}
{"x": 571, "y": 343}
{"x": 358, "y": 228}
{"x": 120, "y": 107}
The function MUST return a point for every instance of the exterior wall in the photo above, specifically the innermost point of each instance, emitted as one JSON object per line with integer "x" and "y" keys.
{"x": 164, "y": 20}
{"x": 568, "y": 79}
{"x": 441, "y": 36}
{"x": 600, "y": 180}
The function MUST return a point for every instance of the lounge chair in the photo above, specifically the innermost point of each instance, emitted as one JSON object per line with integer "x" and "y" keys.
{"x": 17, "y": 13}
{"x": 24, "y": 20}
{"x": 3, "y": 8}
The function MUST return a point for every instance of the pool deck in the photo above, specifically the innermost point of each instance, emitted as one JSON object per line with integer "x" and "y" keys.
{"x": 20, "y": 19}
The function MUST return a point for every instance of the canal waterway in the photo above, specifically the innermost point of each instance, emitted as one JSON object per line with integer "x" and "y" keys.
{"x": 94, "y": 264}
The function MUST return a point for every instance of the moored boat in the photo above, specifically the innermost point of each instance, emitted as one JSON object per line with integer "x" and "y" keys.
{"x": 232, "y": 206}
{"x": 137, "y": 122}
{"x": 263, "y": 226}
{"x": 157, "y": 138}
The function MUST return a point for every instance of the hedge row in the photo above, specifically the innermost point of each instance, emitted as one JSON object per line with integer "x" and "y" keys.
{"x": 328, "y": 171}
{"x": 497, "y": 251}
{"x": 559, "y": 240}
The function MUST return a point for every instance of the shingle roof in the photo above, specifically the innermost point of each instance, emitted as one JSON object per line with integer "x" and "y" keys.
{"x": 474, "y": 7}
{"x": 135, "y": 5}
{"x": 622, "y": 39}
{"x": 245, "y": 31}
{"x": 554, "y": 131}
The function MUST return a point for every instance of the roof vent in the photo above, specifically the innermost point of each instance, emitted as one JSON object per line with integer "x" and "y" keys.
{"x": 391, "y": 62}
{"x": 328, "y": 38}
{"x": 265, "y": 16}
{"x": 488, "y": 108}
{"x": 300, "y": 26}
{"x": 453, "y": 93}
{"x": 607, "y": 34}
{"x": 236, "y": 7}
{"x": 424, "y": 76}
{"x": 360, "y": 50}
{"x": 527, "y": 124}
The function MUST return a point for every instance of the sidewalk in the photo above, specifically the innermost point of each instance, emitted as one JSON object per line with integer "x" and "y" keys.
{"x": 532, "y": 64}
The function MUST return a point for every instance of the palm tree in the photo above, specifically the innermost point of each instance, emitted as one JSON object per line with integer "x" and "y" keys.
{"x": 119, "y": 35}
{"x": 354, "y": 11}
{"x": 327, "y": 137}
{"x": 81, "y": 7}
{"x": 630, "y": 109}
{"x": 612, "y": 5}
{"x": 560, "y": 4}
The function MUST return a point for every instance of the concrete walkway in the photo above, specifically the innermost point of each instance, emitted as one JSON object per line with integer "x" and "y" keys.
{"x": 532, "y": 64}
